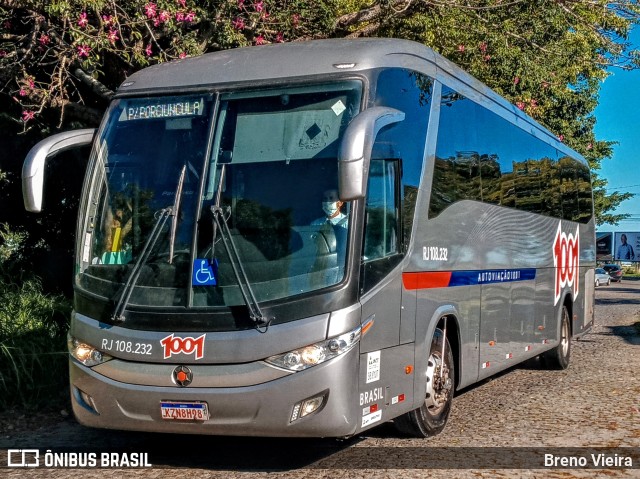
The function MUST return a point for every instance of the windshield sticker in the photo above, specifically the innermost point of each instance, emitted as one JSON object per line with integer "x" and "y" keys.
{"x": 338, "y": 107}
{"x": 204, "y": 272}
{"x": 189, "y": 345}
{"x": 167, "y": 108}
{"x": 86, "y": 250}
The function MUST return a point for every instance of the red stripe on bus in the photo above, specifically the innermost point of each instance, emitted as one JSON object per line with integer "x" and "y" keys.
{"x": 439, "y": 279}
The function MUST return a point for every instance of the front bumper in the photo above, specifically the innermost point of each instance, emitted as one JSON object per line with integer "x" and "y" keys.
{"x": 256, "y": 410}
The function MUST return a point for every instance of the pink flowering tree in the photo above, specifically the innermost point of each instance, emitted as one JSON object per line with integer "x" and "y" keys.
{"x": 61, "y": 61}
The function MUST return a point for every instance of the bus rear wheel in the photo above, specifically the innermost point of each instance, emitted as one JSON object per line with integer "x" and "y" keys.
{"x": 431, "y": 417}
{"x": 558, "y": 357}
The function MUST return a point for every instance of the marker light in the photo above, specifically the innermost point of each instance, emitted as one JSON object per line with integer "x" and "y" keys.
{"x": 85, "y": 400}
{"x": 85, "y": 353}
{"x": 318, "y": 353}
{"x": 344, "y": 66}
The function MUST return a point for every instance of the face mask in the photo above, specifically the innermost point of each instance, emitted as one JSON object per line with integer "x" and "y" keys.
{"x": 330, "y": 207}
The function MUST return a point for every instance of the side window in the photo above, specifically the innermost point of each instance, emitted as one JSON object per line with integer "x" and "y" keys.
{"x": 382, "y": 222}
{"x": 409, "y": 92}
{"x": 380, "y": 238}
{"x": 480, "y": 156}
{"x": 577, "y": 204}
{"x": 585, "y": 198}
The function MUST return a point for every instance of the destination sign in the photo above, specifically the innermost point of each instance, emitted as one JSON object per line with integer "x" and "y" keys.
{"x": 159, "y": 108}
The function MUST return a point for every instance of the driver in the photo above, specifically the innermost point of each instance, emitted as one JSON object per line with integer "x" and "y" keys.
{"x": 331, "y": 205}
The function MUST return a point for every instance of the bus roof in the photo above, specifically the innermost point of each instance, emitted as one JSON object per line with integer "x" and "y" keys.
{"x": 276, "y": 63}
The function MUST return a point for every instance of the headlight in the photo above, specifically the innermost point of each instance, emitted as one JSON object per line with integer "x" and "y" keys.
{"x": 85, "y": 353}
{"x": 317, "y": 353}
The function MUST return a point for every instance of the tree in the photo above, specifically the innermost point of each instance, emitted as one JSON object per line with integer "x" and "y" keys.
{"x": 548, "y": 57}
{"x": 61, "y": 61}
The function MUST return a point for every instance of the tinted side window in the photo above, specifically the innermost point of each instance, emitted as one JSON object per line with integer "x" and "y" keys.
{"x": 585, "y": 193}
{"x": 481, "y": 156}
{"x": 577, "y": 201}
{"x": 382, "y": 211}
{"x": 409, "y": 92}
{"x": 380, "y": 251}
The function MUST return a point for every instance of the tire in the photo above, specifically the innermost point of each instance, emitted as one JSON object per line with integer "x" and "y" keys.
{"x": 597, "y": 283}
{"x": 431, "y": 418}
{"x": 608, "y": 282}
{"x": 559, "y": 357}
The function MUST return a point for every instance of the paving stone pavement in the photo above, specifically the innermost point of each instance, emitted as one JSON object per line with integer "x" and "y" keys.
{"x": 511, "y": 420}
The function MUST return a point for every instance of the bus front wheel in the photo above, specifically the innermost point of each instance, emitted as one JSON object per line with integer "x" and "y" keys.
{"x": 431, "y": 417}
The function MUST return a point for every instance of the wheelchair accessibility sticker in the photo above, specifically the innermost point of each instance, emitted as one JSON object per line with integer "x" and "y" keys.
{"x": 204, "y": 272}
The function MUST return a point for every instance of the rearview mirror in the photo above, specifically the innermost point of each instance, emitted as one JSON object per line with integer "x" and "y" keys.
{"x": 355, "y": 149}
{"x": 34, "y": 164}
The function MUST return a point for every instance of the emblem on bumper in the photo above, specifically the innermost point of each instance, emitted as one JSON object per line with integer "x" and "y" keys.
{"x": 182, "y": 376}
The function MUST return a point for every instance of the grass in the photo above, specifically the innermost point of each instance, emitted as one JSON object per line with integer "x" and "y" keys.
{"x": 33, "y": 354}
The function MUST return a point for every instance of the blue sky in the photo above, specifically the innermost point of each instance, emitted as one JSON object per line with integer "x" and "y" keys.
{"x": 618, "y": 119}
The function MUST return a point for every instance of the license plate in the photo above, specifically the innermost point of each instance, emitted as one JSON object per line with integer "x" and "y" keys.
{"x": 184, "y": 411}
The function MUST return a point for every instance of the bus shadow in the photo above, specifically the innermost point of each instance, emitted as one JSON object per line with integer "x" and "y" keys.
{"x": 607, "y": 301}
{"x": 629, "y": 333}
{"x": 248, "y": 454}
{"x": 169, "y": 451}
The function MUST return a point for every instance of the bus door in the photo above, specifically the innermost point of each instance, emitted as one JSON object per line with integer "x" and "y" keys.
{"x": 381, "y": 290}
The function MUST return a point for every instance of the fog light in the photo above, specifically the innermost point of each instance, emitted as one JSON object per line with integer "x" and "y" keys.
{"x": 308, "y": 406}
{"x": 311, "y": 405}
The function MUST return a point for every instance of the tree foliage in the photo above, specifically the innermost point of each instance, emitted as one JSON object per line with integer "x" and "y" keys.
{"x": 60, "y": 61}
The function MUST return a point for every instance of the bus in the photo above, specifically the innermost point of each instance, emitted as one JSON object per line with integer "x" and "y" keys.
{"x": 216, "y": 292}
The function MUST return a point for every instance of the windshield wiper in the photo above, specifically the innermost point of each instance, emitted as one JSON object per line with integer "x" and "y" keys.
{"x": 220, "y": 223}
{"x": 176, "y": 208}
{"x": 161, "y": 219}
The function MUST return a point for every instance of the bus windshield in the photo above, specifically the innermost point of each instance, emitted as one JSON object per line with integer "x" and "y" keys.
{"x": 180, "y": 182}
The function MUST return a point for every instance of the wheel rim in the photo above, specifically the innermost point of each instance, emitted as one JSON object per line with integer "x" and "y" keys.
{"x": 438, "y": 385}
{"x": 564, "y": 335}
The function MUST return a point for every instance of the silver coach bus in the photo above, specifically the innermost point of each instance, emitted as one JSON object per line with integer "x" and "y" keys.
{"x": 310, "y": 239}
